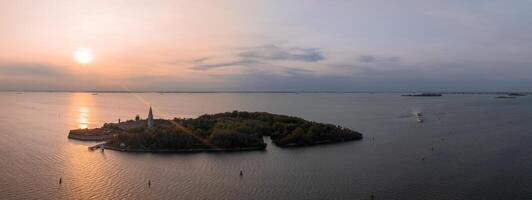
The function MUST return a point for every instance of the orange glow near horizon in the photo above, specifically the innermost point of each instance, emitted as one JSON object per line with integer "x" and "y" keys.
{"x": 119, "y": 40}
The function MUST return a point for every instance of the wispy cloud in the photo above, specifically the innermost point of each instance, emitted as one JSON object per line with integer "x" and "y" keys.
{"x": 263, "y": 55}
{"x": 199, "y": 60}
{"x": 376, "y": 59}
{"x": 274, "y": 52}
{"x": 201, "y": 66}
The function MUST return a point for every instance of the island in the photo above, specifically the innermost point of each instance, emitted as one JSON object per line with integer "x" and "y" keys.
{"x": 516, "y": 94}
{"x": 229, "y": 131}
{"x": 423, "y": 95}
{"x": 505, "y": 97}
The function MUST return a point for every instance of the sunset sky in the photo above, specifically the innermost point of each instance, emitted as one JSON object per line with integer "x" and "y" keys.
{"x": 266, "y": 45}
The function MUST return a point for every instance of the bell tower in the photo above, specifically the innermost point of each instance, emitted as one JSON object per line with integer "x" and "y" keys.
{"x": 150, "y": 119}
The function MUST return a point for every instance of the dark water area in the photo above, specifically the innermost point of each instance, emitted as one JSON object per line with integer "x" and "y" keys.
{"x": 469, "y": 147}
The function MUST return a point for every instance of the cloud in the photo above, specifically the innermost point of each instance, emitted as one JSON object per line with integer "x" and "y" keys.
{"x": 372, "y": 65}
{"x": 30, "y": 69}
{"x": 376, "y": 59}
{"x": 308, "y": 82}
{"x": 201, "y": 66}
{"x": 296, "y": 71}
{"x": 442, "y": 79}
{"x": 199, "y": 60}
{"x": 274, "y": 52}
{"x": 36, "y": 76}
{"x": 261, "y": 56}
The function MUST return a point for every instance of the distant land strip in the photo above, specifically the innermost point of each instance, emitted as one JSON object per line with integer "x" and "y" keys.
{"x": 266, "y": 92}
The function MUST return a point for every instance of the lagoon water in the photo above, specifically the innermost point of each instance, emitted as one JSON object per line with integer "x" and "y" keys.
{"x": 482, "y": 149}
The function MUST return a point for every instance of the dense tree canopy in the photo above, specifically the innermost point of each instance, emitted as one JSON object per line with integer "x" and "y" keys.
{"x": 233, "y": 130}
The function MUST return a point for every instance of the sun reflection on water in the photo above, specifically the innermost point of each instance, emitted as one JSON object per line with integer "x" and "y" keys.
{"x": 82, "y": 114}
{"x": 83, "y": 117}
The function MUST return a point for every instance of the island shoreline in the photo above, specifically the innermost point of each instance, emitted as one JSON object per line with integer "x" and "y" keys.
{"x": 262, "y": 148}
{"x": 93, "y": 138}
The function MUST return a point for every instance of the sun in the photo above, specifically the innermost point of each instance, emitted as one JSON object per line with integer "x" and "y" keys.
{"x": 83, "y": 56}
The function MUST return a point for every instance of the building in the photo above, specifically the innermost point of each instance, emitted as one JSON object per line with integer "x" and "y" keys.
{"x": 150, "y": 119}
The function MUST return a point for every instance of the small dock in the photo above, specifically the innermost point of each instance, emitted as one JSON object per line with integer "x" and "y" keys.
{"x": 95, "y": 147}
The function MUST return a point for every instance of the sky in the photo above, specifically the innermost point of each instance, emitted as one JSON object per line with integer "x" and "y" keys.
{"x": 267, "y": 45}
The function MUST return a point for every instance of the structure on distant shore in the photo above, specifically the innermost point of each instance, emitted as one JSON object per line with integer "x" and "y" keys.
{"x": 150, "y": 119}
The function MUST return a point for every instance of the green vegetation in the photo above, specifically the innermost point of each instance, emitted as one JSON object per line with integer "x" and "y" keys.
{"x": 231, "y": 130}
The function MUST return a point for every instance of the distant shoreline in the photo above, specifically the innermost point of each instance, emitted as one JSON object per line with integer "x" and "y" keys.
{"x": 265, "y": 92}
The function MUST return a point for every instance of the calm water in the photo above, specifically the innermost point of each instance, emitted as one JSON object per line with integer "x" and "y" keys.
{"x": 482, "y": 149}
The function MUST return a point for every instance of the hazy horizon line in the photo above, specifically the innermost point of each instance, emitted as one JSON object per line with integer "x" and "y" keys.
{"x": 267, "y": 91}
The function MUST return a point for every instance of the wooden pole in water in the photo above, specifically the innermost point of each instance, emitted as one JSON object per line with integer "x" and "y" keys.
{"x": 241, "y": 174}
{"x": 149, "y": 183}
{"x": 60, "y": 180}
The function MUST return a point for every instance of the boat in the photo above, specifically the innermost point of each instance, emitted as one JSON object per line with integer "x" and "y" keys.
{"x": 419, "y": 117}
